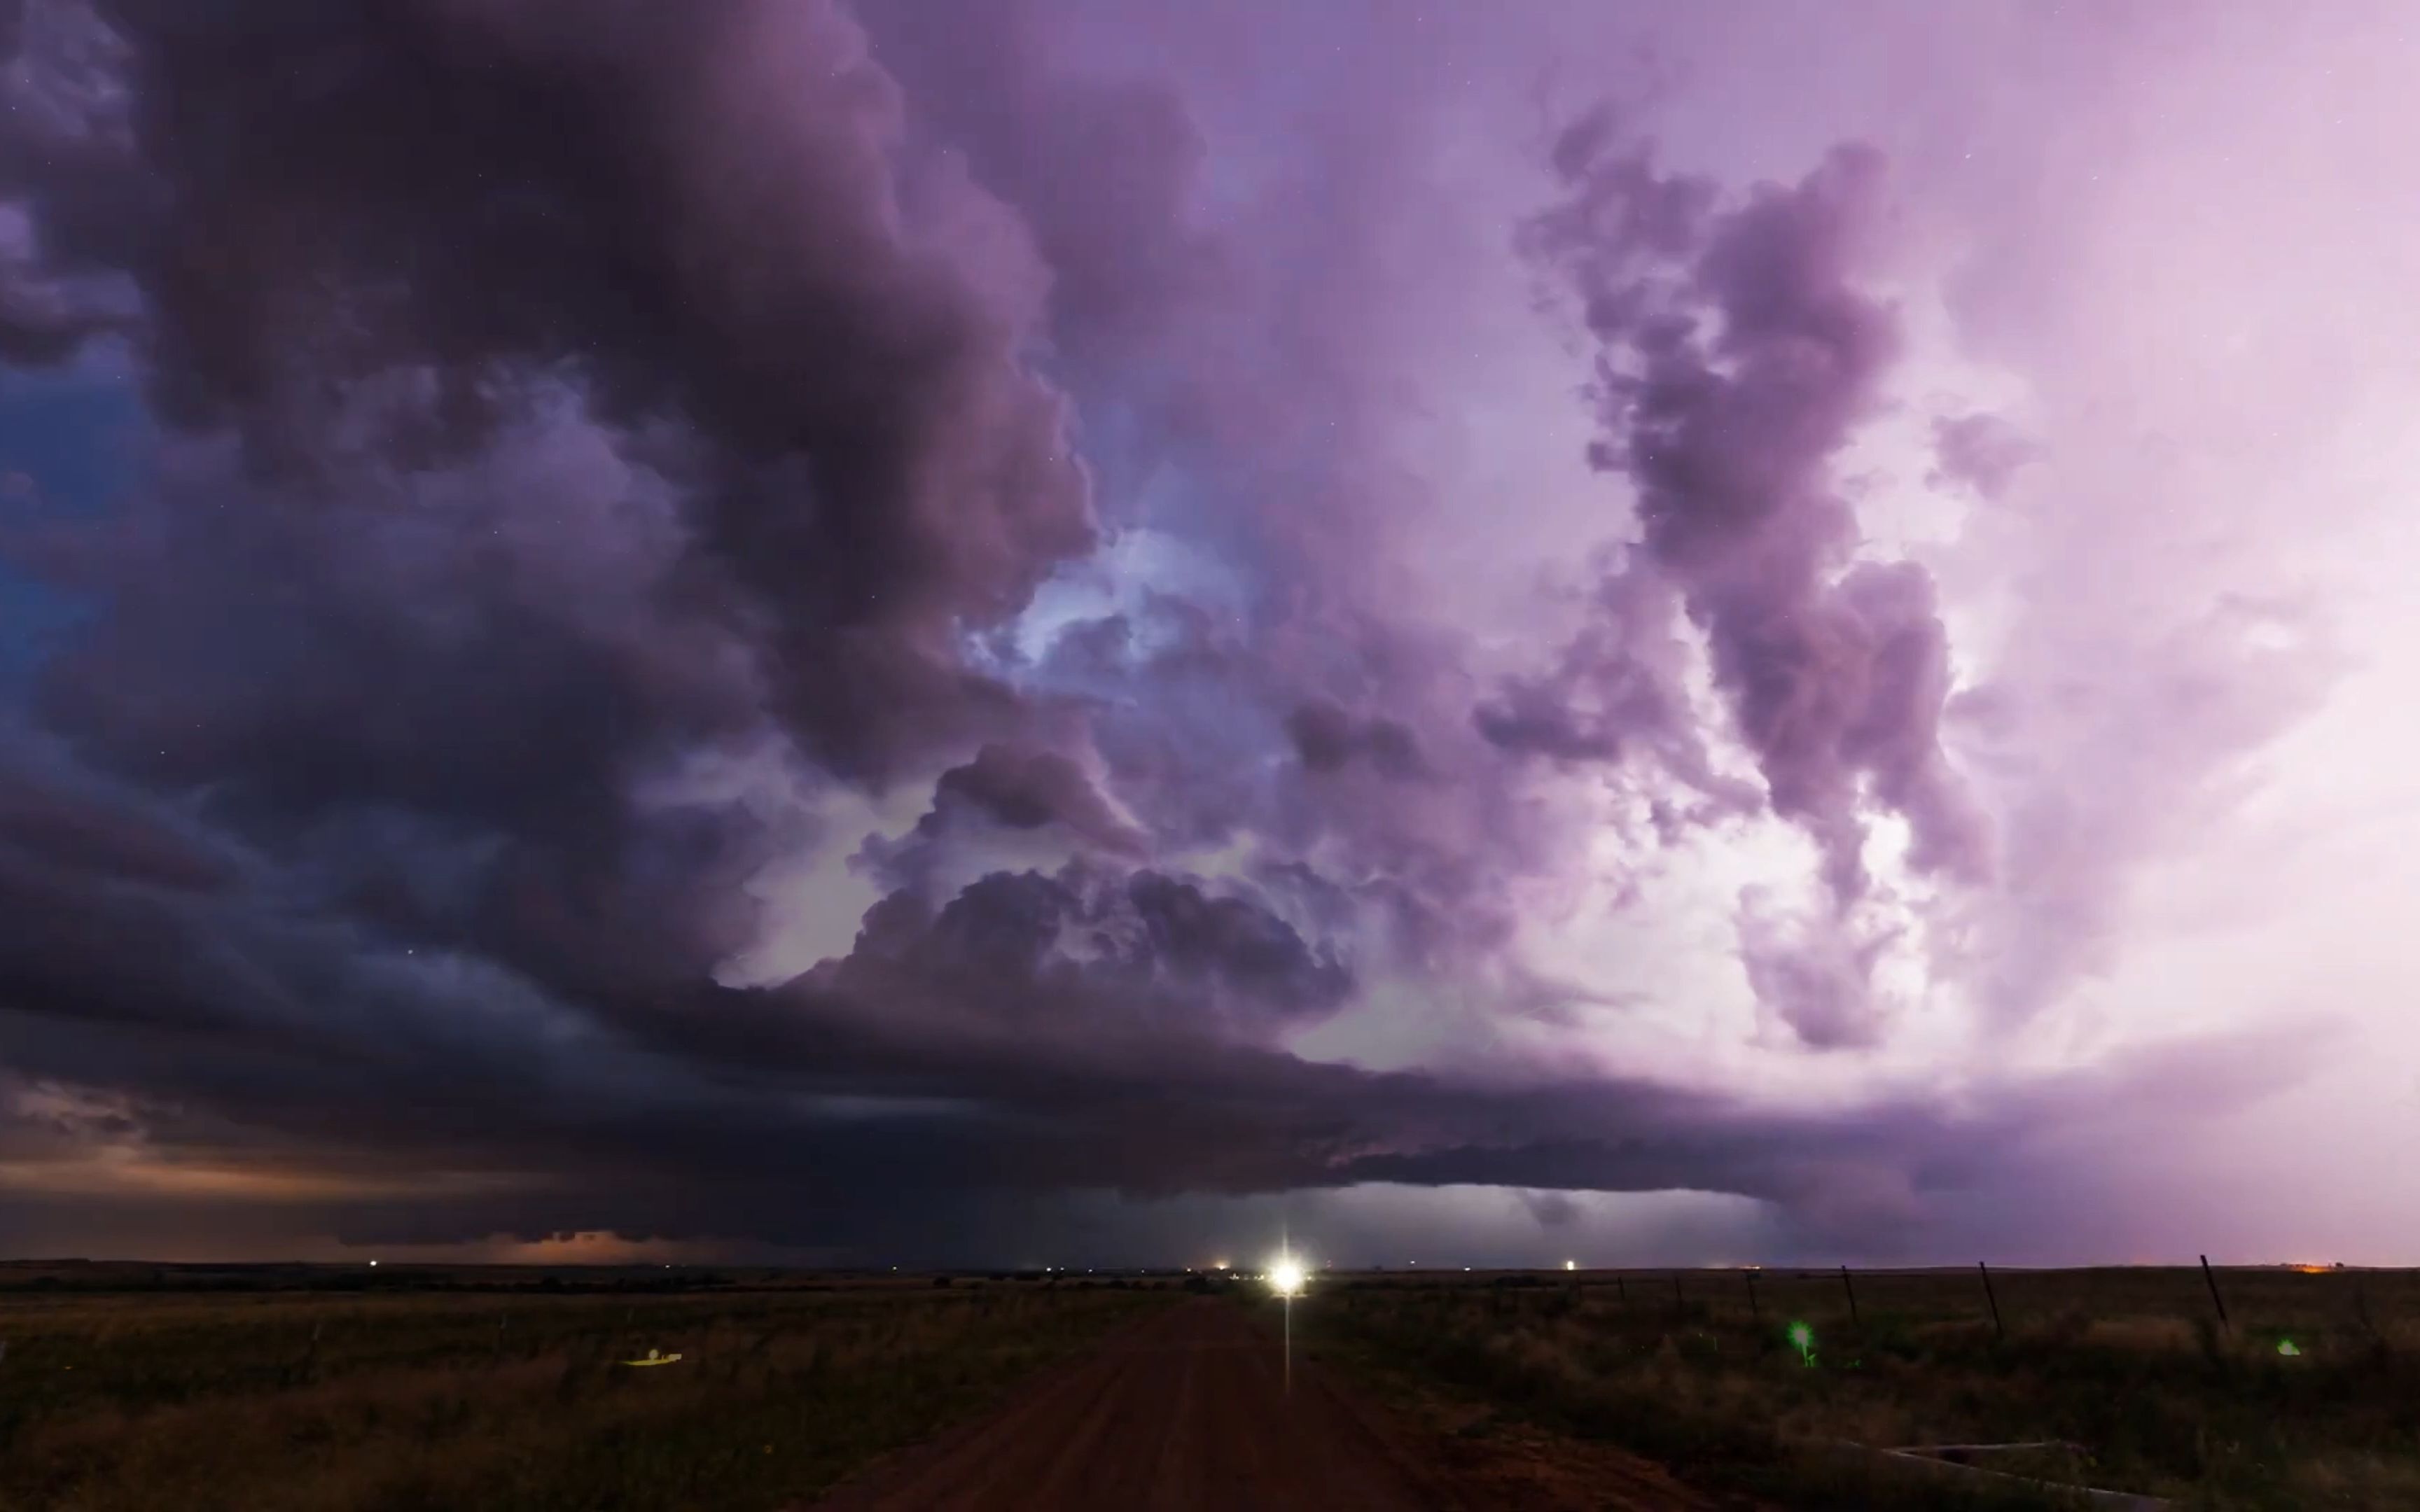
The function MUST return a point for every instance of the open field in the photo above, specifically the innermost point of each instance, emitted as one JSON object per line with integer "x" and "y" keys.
{"x": 2131, "y": 1365}
{"x": 304, "y": 1389}
{"x": 501, "y": 1390}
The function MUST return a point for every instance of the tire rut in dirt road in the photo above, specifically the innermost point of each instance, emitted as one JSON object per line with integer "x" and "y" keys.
{"x": 1188, "y": 1412}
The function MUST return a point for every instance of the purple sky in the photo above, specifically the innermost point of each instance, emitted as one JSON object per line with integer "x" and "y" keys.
{"x": 1029, "y": 631}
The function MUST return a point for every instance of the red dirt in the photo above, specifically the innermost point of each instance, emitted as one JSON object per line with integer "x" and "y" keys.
{"x": 1188, "y": 1412}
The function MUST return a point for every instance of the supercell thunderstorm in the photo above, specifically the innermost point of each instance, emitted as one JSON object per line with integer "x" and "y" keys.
{"x": 793, "y": 624}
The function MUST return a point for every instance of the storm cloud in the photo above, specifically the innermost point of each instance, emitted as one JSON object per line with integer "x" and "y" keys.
{"x": 1022, "y": 501}
{"x": 1736, "y": 357}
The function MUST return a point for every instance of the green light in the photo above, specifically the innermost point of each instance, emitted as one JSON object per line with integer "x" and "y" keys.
{"x": 1802, "y": 1339}
{"x": 2287, "y": 1347}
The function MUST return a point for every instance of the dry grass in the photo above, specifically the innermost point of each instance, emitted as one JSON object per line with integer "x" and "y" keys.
{"x": 2132, "y": 1364}
{"x": 283, "y": 1403}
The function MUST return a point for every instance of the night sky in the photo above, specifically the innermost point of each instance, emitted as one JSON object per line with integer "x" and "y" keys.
{"x": 1086, "y": 631}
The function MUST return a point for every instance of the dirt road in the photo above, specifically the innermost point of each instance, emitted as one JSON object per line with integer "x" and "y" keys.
{"x": 1188, "y": 1412}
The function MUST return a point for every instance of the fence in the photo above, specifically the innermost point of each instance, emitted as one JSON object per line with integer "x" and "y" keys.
{"x": 1699, "y": 1289}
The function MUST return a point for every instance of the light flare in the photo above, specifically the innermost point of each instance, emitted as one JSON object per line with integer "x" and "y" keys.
{"x": 1286, "y": 1277}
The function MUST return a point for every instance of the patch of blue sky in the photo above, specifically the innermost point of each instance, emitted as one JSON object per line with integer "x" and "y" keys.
{"x": 71, "y": 445}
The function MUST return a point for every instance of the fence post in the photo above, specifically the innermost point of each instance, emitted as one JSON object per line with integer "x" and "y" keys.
{"x": 2216, "y": 1300}
{"x": 1997, "y": 1332}
{"x": 1754, "y": 1313}
{"x": 1852, "y": 1291}
{"x": 1680, "y": 1308}
{"x": 1621, "y": 1293}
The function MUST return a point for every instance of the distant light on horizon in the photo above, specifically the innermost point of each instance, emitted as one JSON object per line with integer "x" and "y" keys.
{"x": 1571, "y": 1265}
{"x": 1286, "y": 1275}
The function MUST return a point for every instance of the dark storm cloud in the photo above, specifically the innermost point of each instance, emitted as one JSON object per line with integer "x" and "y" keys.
{"x": 598, "y": 432}
{"x": 43, "y": 820}
{"x": 1246, "y": 357}
{"x": 707, "y": 218}
{"x": 1272, "y": 378}
{"x": 1615, "y": 690}
{"x": 1022, "y": 1040}
{"x": 950, "y": 1054}
{"x": 1087, "y": 951}
{"x": 1005, "y": 788}
{"x": 1024, "y": 788}
{"x": 1552, "y": 1209}
{"x": 563, "y": 404}
{"x": 573, "y": 395}
{"x": 1328, "y": 738}
{"x": 69, "y": 169}
{"x": 1103, "y": 168}
{"x": 1736, "y": 355}
{"x": 1036, "y": 1033}
{"x": 1537, "y": 719}
{"x": 568, "y": 407}
{"x": 1039, "y": 1032}
{"x": 373, "y": 675}
{"x": 1416, "y": 819}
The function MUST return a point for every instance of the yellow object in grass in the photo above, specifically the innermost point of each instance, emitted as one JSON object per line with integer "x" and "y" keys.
{"x": 653, "y": 1358}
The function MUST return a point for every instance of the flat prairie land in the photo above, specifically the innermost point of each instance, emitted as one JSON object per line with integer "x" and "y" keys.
{"x": 483, "y": 1396}
{"x": 2306, "y": 1397}
{"x": 291, "y": 1389}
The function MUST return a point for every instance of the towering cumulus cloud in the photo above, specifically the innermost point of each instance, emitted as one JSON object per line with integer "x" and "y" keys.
{"x": 874, "y": 628}
{"x": 1737, "y": 357}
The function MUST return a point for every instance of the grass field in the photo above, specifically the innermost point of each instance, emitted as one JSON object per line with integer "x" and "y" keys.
{"x": 2133, "y": 1366}
{"x": 411, "y": 1400}
{"x": 309, "y": 1390}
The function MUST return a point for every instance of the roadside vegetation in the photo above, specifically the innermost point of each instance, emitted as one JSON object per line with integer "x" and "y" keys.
{"x": 414, "y": 1401}
{"x": 2306, "y": 1397}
